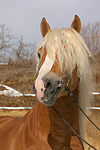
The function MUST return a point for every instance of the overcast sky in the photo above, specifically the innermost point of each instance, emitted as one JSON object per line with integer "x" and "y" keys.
{"x": 24, "y": 16}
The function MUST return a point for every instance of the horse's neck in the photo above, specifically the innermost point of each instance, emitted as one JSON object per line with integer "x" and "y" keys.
{"x": 34, "y": 128}
{"x": 41, "y": 119}
{"x": 38, "y": 121}
{"x": 59, "y": 132}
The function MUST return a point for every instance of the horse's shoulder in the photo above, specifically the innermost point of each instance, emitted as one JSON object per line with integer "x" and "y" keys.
{"x": 8, "y": 120}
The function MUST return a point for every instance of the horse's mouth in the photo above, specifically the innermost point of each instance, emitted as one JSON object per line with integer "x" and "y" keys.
{"x": 50, "y": 99}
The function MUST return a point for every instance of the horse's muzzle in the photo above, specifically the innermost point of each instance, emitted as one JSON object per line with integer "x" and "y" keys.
{"x": 51, "y": 84}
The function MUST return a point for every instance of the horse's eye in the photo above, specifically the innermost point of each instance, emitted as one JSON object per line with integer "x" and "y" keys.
{"x": 39, "y": 55}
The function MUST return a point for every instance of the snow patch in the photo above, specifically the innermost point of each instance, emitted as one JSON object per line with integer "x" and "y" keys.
{"x": 95, "y": 93}
{"x": 98, "y": 108}
{"x": 12, "y": 92}
{"x": 3, "y": 63}
{"x": 14, "y": 108}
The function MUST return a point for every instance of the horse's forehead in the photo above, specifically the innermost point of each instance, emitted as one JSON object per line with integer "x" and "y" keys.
{"x": 45, "y": 63}
{"x": 46, "y": 66}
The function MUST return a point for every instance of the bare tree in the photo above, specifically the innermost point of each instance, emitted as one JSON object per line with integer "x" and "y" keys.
{"x": 12, "y": 48}
{"x": 6, "y": 38}
{"x": 91, "y": 34}
{"x": 7, "y": 41}
{"x": 23, "y": 50}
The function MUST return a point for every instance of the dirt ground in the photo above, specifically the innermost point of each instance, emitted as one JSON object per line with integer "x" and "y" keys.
{"x": 20, "y": 78}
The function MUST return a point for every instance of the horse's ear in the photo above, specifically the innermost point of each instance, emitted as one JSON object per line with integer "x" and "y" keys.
{"x": 76, "y": 24}
{"x": 44, "y": 26}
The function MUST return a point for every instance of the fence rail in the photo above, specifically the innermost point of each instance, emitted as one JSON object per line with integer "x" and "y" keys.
{"x": 15, "y": 108}
{"x": 23, "y": 108}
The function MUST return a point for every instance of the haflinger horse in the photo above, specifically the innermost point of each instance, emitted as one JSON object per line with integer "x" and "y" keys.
{"x": 62, "y": 53}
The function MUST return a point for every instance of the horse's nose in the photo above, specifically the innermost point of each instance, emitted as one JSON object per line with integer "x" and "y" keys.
{"x": 49, "y": 87}
{"x": 46, "y": 87}
{"x": 38, "y": 88}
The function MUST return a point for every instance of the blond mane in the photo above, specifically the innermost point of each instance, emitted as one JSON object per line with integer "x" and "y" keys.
{"x": 71, "y": 51}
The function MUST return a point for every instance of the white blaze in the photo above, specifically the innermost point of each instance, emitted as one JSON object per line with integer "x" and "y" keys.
{"x": 45, "y": 68}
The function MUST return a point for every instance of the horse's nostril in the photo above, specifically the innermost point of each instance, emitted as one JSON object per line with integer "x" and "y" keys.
{"x": 47, "y": 84}
{"x": 41, "y": 89}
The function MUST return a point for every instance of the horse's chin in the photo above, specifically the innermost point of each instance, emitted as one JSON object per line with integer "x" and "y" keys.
{"x": 49, "y": 102}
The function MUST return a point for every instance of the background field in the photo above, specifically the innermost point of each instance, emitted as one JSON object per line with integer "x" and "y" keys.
{"x": 20, "y": 77}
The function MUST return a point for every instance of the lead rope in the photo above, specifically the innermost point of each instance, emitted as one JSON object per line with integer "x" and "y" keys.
{"x": 75, "y": 101}
{"x": 72, "y": 128}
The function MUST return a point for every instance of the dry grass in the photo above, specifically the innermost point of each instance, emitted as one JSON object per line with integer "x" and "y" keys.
{"x": 17, "y": 78}
{"x": 95, "y": 67}
{"x": 22, "y": 101}
{"x": 13, "y": 113}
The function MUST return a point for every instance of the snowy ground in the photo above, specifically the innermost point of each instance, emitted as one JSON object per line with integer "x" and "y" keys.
{"x": 12, "y": 92}
{"x": 3, "y": 63}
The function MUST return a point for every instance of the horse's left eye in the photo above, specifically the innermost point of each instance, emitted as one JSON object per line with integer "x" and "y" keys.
{"x": 39, "y": 55}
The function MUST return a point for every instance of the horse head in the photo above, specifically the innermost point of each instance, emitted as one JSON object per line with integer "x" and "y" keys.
{"x": 58, "y": 56}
